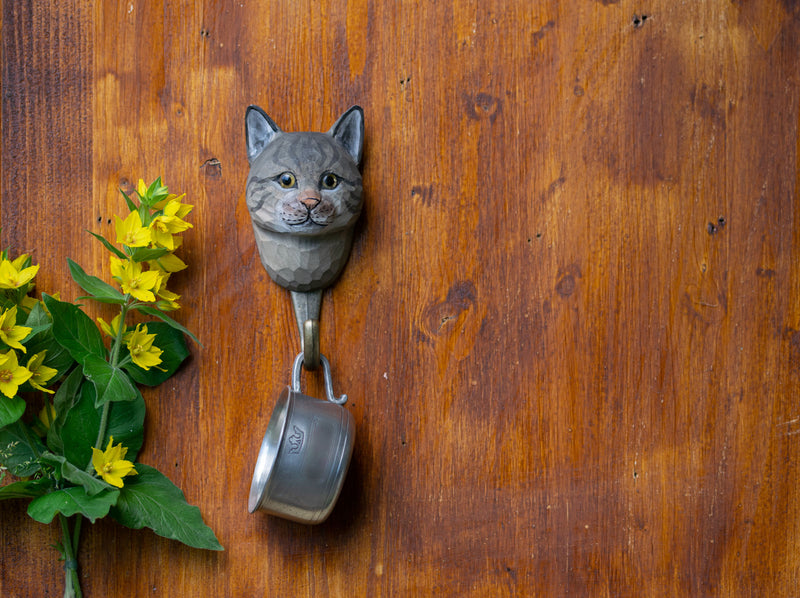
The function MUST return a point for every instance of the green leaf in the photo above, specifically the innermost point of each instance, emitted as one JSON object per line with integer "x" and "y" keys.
{"x": 10, "y": 410}
{"x": 65, "y": 397}
{"x": 126, "y": 425}
{"x": 173, "y": 345}
{"x": 98, "y": 289}
{"x": 82, "y": 423}
{"x": 154, "y": 193}
{"x": 110, "y": 382}
{"x": 101, "y": 299}
{"x": 131, "y": 206}
{"x": 16, "y": 451}
{"x": 37, "y": 316}
{"x": 42, "y": 339}
{"x": 107, "y": 244}
{"x": 80, "y": 427}
{"x": 72, "y": 501}
{"x": 151, "y": 311}
{"x": 77, "y": 476}
{"x": 144, "y": 213}
{"x": 38, "y": 321}
{"x": 143, "y": 254}
{"x": 151, "y": 500}
{"x": 7, "y": 302}
{"x": 26, "y": 488}
{"x": 74, "y": 330}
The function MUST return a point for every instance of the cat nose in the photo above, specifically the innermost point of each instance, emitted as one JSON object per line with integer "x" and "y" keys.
{"x": 309, "y": 200}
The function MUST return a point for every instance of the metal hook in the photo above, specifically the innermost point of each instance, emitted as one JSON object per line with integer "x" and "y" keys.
{"x": 310, "y": 342}
{"x": 306, "y": 312}
{"x": 326, "y": 373}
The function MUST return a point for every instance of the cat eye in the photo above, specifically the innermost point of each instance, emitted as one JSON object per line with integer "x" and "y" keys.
{"x": 329, "y": 180}
{"x": 286, "y": 180}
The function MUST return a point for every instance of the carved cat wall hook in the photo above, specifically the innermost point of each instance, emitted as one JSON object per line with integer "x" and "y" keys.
{"x": 304, "y": 196}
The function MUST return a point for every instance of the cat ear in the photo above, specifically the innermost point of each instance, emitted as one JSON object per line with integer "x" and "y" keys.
{"x": 259, "y": 131}
{"x": 349, "y": 131}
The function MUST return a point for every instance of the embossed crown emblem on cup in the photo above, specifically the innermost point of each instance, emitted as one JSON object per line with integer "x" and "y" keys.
{"x": 296, "y": 440}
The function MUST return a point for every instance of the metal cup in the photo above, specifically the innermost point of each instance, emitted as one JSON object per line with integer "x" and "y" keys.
{"x": 304, "y": 455}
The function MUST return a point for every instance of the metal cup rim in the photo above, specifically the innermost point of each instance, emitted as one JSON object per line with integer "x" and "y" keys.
{"x": 269, "y": 452}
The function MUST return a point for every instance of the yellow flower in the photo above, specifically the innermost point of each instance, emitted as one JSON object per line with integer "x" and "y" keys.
{"x": 168, "y": 262}
{"x": 183, "y": 208}
{"x": 47, "y": 416}
{"x": 28, "y": 303}
{"x": 12, "y": 375}
{"x": 133, "y": 281}
{"x": 117, "y": 267}
{"x": 110, "y": 329}
{"x": 20, "y": 261}
{"x": 13, "y": 276}
{"x": 130, "y": 231}
{"x": 143, "y": 353}
{"x": 169, "y": 223}
{"x": 111, "y": 464}
{"x": 40, "y": 372}
{"x": 10, "y": 333}
{"x": 167, "y": 300}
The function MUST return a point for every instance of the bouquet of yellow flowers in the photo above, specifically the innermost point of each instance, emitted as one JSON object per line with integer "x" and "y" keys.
{"x": 75, "y": 457}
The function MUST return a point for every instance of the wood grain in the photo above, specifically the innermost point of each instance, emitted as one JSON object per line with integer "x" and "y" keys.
{"x": 570, "y": 325}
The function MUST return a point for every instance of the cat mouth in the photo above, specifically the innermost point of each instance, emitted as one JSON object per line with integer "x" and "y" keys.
{"x": 294, "y": 223}
{"x": 308, "y": 220}
{"x": 319, "y": 214}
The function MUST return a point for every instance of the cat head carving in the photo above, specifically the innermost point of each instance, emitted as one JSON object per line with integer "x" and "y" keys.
{"x": 304, "y": 183}
{"x": 304, "y": 195}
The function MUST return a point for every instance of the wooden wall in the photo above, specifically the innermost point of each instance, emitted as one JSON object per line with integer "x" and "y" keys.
{"x": 570, "y": 325}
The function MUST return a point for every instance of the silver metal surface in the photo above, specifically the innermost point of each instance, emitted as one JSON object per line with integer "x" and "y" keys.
{"x": 307, "y": 306}
{"x": 310, "y": 344}
{"x": 327, "y": 379}
{"x": 304, "y": 455}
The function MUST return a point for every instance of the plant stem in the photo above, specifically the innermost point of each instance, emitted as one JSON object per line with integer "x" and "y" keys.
{"x": 72, "y": 584}
{"x": 101, "y": 433}
{"x": 115, "y": 348}
{"x": 76, "y": 535}
{"x": 118, "y": 340}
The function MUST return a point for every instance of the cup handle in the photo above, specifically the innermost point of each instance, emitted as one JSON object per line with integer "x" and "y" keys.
{"x": 326, "y": 372}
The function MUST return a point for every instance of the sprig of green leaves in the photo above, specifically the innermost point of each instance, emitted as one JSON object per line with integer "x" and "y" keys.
{"x": 96, "y": 398}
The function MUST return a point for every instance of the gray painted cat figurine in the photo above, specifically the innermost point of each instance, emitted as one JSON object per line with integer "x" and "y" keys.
{"x": 304, "y": 196}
